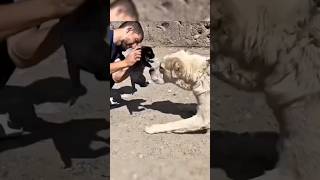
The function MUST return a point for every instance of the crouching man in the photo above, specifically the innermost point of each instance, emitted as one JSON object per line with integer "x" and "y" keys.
{"x": 129, "y": 35}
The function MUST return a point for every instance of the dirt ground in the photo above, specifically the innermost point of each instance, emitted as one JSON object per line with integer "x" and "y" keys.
{"x": 177, "y": 10}
{"x": 244, "y": 134}
{"x": 62, "y": 142}
{"x": 137, "y": 155}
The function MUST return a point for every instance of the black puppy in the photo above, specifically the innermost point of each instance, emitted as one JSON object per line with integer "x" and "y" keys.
{"x": 136, "y": 73}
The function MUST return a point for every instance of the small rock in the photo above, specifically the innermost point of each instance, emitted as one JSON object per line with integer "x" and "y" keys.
{"x": 135, "y": 176}
{"x": 140, "y": 156}
{"x": 196, "y": 36}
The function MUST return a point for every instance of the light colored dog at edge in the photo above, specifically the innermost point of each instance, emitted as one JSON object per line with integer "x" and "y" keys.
{"x": 190, "y": 72}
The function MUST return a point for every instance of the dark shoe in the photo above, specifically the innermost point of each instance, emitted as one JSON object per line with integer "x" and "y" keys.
{"x": 113, "y": 102}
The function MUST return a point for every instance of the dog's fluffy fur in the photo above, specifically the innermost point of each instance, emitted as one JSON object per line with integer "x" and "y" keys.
{"x": 273, "y": 47}
{"x": 190, "y": 72}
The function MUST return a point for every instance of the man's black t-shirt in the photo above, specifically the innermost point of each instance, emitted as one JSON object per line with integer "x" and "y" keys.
{"x": 116, "y": 51}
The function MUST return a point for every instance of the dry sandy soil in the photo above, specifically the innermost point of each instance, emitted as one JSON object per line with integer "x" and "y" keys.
{"x": 137, "y": 155}
{"x": 244, "y": 134}
{"x": 176, "y": 10}
{"x": 58, "y": 136}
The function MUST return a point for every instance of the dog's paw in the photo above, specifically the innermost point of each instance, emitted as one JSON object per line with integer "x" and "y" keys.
{"x": 151, "y": 129}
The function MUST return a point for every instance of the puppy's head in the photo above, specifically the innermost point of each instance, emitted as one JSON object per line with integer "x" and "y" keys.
{"x": 147, "y": 55}
{"x": 180, "y": 68}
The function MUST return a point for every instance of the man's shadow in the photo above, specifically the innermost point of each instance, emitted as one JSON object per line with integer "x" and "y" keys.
{"x": 19, "y": 102}
{"x": 243, "y": 156}
{"x": 71, "y": 139}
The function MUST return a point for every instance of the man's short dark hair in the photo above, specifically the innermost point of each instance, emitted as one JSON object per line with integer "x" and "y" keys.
{"x": 136, "y": 27}
{"x": 129, "y": 6}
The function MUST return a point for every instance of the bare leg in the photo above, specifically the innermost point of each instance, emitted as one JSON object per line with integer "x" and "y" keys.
{"x": 30, "y": 47}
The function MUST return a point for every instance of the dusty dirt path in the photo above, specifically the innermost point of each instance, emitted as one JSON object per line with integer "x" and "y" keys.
{"x": 137, "y": 155}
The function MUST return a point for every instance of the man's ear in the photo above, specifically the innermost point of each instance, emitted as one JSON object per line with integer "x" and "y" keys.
{"x": 129, "y": 28}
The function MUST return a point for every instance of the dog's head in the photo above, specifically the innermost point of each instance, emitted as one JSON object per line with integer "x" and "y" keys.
{"x": 181, "y": 68}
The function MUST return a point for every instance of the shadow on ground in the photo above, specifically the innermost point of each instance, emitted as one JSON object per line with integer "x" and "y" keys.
{"x": 243, "y": 156}
{"x": 133, "y": 105}
{"x": 167, "y": 107}
{"x": 72, "y": 139}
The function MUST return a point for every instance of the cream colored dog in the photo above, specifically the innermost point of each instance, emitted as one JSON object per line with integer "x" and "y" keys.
{"x": 190, "y": 72}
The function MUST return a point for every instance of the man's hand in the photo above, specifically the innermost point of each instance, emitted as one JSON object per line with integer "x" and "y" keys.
{"x": 134, "y": 56}
{"x": 131, "y": 59}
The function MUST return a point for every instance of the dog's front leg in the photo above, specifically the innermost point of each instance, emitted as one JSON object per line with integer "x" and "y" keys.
{"x": 194, "y": 123}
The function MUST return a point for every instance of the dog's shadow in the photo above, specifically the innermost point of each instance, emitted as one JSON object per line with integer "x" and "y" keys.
{"x": 243, "y": 156}
{"x": 72, "y": 139}
{"x": 168, "y": 107}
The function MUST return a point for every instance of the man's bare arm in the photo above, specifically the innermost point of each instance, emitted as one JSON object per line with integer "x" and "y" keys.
{"x": 130, "y": 60}
{"x": 117, "y": 66}
{"x": 121, "y": 75}
{"x": 19, "y": 16}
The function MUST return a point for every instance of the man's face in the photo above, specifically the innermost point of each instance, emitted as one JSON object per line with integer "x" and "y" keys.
{"x": 131, "y": 40}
